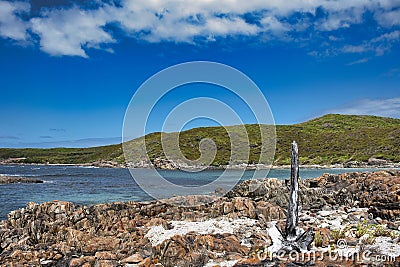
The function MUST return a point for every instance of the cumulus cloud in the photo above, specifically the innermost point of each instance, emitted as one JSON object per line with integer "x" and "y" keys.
{"x": 378, "y": 107}
{"x": 68, "y": 32}
{"x": 341, "y": 18}
{"x": 274, "y": 25}
{"x": 388, "y": 19}
{"x": 73, "y": 30}
{"x": 11, "y": 25}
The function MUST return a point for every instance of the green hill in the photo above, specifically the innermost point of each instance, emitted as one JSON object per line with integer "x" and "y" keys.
{"x": 61, "y": 155}
{"x": 325, "y": 140}
{"x": 341, "y": 138}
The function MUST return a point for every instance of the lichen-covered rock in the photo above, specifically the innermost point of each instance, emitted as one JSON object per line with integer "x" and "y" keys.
{"x": 106, "y": 234}
{"x": 276, "y": 192}
{"x": 379, "y": 191}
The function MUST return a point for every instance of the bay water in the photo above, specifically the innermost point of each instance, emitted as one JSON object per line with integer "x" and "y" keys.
{"x": 88, "y": 185}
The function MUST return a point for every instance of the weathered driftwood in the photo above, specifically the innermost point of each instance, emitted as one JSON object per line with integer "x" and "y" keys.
{"x": 293, "y": 238}
{"x": 293, "y": 208}
{"x": 305, "y": 240}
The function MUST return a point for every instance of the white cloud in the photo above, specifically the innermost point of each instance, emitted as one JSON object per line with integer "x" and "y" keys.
{"x": 391, "y": 36}
{"x": 379, "y": 45}
{"x": 70, "y": 31}
{"x": 333, "y": 38}
{"x": 388, "y": 19}
{"x": 12, "y": 26}
{"x": 342, "y": 18}
{"x": 180, "y": 21}
{"x": 378, "y": 107}
{"x": 271, "y": 23}
{"x": 360, "y": 61}
{"x": 355, "y": 48}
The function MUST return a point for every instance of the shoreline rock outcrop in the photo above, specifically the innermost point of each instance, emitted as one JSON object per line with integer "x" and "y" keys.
{"x": 16, "y": 180}
{"x": 231, "y": 231}
{"x": 163, "y": 164}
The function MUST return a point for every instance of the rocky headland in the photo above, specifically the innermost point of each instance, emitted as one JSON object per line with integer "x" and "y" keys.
{"x": 15, "y": 180}
{"x": 352, "y": 214}
{"x": 165, "y": 164}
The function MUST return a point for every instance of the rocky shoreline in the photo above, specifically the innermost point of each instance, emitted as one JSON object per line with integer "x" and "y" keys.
{"x": 166, "y": 165}
{"x": 161, "y": 163}
{"x": 352, "y": 213}
{"x": 18, "y": 180}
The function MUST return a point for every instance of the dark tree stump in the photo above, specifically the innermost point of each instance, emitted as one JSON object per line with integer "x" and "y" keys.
{"x": 293, "y": 208}
{"x": 292, "y": 239}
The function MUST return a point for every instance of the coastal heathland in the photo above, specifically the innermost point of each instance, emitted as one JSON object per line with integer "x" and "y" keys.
{"x": 330, "y": 139}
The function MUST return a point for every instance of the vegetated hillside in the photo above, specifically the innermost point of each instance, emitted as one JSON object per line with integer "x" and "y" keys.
{"x": 62, "y": 155}
{"x": 190, "y": 141}
{"x": 325, "y": 140}
{"x": 341, "y": 138}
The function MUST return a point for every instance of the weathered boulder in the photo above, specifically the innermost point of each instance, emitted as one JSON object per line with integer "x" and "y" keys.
{"x": 276, "y": 192}
{"x": 377, "y": 162}
{"x": 379, "y": 191}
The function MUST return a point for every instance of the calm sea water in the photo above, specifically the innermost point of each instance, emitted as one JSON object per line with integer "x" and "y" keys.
{"x": 83, "y": 185}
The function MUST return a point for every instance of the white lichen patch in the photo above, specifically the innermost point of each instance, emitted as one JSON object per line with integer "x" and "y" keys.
{"x": 157, "y": 234}
{"x": 276, "y": 238}
{"x": 386, "y": 246}
{"x": 213, "y": 263}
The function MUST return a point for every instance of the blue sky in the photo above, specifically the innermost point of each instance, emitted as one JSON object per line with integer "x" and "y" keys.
{"x": 68, "y": 70}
